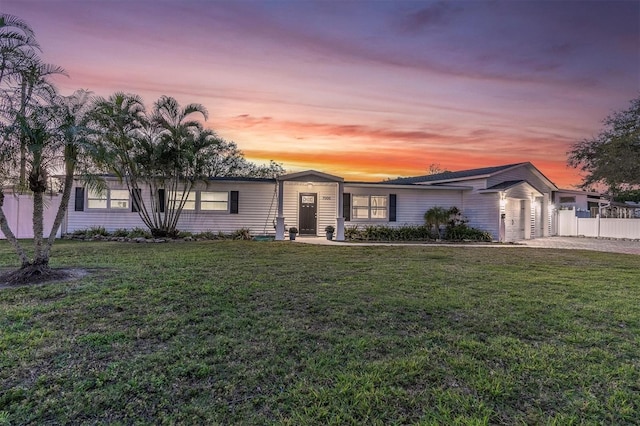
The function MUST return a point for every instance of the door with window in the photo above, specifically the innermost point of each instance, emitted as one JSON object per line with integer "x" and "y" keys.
{"x": 308, "y": 214}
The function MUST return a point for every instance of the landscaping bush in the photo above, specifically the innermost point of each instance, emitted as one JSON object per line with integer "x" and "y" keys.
{"x": 120, "y": 233}
{"x": 462, "y": 232}
{"x": 241, "y": 234}
{"x": 456, "y": 230}
{"x": 138, "y": 233}
{"x": 387, "y": 233}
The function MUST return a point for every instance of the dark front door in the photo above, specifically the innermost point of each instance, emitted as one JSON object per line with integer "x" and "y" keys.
{"x": 308, "y": 214}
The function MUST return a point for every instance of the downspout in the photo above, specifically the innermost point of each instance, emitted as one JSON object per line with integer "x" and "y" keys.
{"x": 340, "y": 217}
{"x": 280, "y": 216}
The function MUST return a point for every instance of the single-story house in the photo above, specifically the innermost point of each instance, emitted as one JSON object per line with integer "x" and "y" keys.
{"x": 512, "y": 202}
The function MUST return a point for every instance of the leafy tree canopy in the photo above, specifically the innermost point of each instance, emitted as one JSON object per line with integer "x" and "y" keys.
{"x": 612, "y": 158}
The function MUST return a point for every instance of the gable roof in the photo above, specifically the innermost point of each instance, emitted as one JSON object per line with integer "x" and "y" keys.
{"x": 311, "y": 175}
{"x": 447, "y": 176}
{"x": 505, "y": 185}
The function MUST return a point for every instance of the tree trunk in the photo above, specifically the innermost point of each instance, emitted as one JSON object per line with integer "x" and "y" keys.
{"x": 62, "y": 209}
{"x": 38, "y": 224}
{"x": 4, "y": 226}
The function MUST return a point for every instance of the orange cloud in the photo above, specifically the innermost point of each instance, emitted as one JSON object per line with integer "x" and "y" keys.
{"x": 360, "y": 152}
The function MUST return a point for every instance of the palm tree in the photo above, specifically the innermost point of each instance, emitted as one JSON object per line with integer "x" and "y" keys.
{"x": 77, "y": 153}
{"x": 24, "y": 78}
{"x": 167, "y": 150}
{"x": 17, "y": 42}
{"x": 435, "y": 217}
{"x": 56, "y": 135}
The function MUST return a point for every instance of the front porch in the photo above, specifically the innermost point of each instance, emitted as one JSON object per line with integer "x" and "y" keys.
{"x": 310, "y": 201}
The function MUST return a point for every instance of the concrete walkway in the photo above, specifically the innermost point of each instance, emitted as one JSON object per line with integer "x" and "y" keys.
{"x": 568, "y": 243}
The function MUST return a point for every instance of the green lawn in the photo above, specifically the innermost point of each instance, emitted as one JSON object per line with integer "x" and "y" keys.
{"x": 282, "y": 333}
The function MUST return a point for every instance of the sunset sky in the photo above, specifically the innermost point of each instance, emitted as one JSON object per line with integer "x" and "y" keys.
{"x": 362, "y": 89}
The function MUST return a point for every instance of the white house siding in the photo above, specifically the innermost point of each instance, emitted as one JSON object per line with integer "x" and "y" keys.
{"x": 255, "y": 211}
{"x": 540, "y": 220}
{"x": 520, "y": 173}
{"x": 257, "y": 208}
{"x": 482, "y": 210}
{"x": 18, "y": 209}
{"x": 411, "y": 203}
{"x": 326, "y": 202}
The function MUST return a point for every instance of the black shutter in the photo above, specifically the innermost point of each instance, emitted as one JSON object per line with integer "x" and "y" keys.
{"x": 136, "y": 196}
{"x": 233, "y": 208}
{"x": 161, "y": 200}
{"x": 392, "y": 207}
{"x": 346, "y": 206}
{"x": 79, "y": 205}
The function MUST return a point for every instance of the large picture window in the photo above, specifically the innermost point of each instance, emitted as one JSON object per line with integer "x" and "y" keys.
{"x": 369, "y": 206}
{"x": 117, "y": 199}
{"x": 214, "y": 201}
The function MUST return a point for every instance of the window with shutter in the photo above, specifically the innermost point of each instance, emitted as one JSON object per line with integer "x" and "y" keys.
{"x": 392, "y": 207}
{"x": 235, "y": 197}
{"x": 346, "y": 206}
{"x": 79, "y": 202}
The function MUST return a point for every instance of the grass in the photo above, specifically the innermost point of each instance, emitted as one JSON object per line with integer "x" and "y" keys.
{"x": 236, "y": 332}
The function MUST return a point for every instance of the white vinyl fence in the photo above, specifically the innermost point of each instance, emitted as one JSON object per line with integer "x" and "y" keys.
{"x": 569, "y": 225}
{"x": 19, "y": 212}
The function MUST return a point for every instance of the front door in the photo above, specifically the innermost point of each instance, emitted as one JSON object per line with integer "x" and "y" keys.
{"x": 308, "y": 214}
{"x": 515, "y": 220}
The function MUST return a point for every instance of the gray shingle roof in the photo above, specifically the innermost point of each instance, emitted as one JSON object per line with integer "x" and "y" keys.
{"x": 505, "y": 185}
{"x": 451, "y": 175}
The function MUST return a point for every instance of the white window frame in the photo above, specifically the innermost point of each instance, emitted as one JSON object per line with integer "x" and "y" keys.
{"x": 189, "y": 204}
{"x": 119, "y": 202}
{"x": 106, "y": 201}
{"x": 371, "y": 205}
{"x": 100, "y": 201}
{"x": 214, "y": 205}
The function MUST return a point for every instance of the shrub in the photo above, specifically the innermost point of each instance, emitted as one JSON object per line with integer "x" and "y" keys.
{"x": 241, "y": 234}
{"x": 351, "y": 233}
{"x": 435, "y": 217}
{"x": 462, "y": 232}
{"x": 139, "y": 233}
{"x": 456, "y": 230}
{"x": 206, "y": 235}
{"x": 120, "y": 232}
{"x": 90, "y": 232}
{"x": 387, "y": 233}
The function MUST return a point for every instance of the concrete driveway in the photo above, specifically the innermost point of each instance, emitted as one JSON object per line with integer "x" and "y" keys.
{"x": 581, "y": 243}
{"x": 570, "y": 243}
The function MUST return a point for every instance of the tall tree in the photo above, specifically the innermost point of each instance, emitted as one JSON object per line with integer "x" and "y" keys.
{"x": 165, "y": 152}
{"x": 47, "y": 139}
{"x": 38, "y": 128}
{"x": 612, "y": 158}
